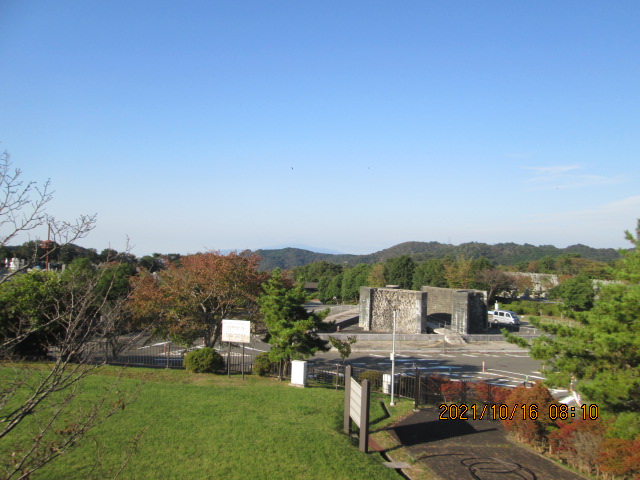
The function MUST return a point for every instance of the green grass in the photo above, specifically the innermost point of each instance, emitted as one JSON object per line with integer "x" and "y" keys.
{"x": 207, "y": 426}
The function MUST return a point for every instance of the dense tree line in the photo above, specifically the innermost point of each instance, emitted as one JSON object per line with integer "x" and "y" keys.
{"x": 507, "y": 254}
{"x": 341, "y": 284}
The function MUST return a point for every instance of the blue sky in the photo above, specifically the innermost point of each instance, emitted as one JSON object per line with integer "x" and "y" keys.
{"x": 349, "y": 126}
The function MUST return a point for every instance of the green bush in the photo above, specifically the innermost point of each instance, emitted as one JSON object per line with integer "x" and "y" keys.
{"x": 374, "y": 377}
{"x": 528, "y": 307}
{"x": 262, "y": 364}
{"x": 203, "y": 360}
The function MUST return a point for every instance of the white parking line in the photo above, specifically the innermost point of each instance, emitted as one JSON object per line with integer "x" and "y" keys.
{"x": 445, "y": 355}
{"x": 515, "y": 373}
{"x": 256, "y": 349}
{"x": 468, "y": 355}
{"x": 442, "y": 367}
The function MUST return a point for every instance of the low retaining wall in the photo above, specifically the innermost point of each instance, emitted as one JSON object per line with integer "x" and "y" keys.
{"x": 421, "y": 338}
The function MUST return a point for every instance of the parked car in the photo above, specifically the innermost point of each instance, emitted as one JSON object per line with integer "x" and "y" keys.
{"x": 503, "y": 317}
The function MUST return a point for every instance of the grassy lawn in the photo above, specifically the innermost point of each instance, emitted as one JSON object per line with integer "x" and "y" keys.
{"x": 207, "y": 426}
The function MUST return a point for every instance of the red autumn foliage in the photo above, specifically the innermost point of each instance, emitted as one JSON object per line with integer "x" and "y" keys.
{"x": 578, "y": 442}
{"x": 620, "y": 457}
{"x": 533, "y": 431}
{"x": 452, "y": 391}
{"x": 487, "y": 393}
{"x": 191, "y": 297}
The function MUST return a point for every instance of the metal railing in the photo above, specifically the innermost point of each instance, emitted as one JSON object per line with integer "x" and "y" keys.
{"x": 424, "y": 389}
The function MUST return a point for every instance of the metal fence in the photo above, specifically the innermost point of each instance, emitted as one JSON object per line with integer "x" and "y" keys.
{"x": 422, "y": 388}
{"x": 170, "y": 355}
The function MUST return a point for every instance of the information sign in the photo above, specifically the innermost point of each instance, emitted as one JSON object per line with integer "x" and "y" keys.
{"x": 236, "y": 331}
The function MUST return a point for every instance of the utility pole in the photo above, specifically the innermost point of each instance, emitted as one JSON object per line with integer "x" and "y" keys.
{"x": 393, "y": 358}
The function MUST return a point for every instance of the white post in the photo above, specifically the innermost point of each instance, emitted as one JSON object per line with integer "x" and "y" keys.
{"x": 393, "y": 357}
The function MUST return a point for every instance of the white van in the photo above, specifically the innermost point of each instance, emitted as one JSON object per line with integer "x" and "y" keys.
{"x": 503, "y": 317}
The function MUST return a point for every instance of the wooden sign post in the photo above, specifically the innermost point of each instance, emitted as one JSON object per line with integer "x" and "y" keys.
{"x": 236, "y": 331}
{"x": 356, "y": 408}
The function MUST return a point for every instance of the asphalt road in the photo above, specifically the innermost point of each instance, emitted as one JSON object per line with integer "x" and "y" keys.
{"x": 485, "y": 362}
{"x": 482, "y": 362}
{"x": 500, "y": 368}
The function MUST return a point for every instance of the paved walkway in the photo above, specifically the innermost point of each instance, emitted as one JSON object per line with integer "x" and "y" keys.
{"x": 473, "y": 450}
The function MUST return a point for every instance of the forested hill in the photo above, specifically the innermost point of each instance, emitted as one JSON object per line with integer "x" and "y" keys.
{"x": 501, "y": 254}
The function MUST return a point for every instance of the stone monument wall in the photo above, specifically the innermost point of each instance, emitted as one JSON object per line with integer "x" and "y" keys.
{"x": 378, "y": 304}
{"x": 464, "y": 311}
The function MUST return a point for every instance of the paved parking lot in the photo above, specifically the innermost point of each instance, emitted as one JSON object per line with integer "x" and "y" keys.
{"x": 507, "y": 369}
{"x": 503, "y": 368}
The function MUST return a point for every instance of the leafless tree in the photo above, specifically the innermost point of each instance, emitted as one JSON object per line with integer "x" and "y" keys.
{"x": 41, "y": 412}
{"x": 495, "y": 281}
{"x": 23, "y": 209}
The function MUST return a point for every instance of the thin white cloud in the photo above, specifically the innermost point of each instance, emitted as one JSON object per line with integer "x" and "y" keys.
{"x": 563, "y": 177}
{"x": 552, "y": 171}
{"x": 625, "y": 208}
{"x": 602, "y": 225}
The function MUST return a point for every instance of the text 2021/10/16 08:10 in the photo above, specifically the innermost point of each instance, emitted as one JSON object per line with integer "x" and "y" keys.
{"x": 556, "y": 411}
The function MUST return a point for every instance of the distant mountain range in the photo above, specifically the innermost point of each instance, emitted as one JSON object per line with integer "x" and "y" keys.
{"x": 289, "y": 257}
{"x": 501, "y": 254}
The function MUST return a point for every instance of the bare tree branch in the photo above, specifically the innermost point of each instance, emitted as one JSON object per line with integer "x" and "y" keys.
{"x": 23, "y": 209}
{"x": 76, "y": 316}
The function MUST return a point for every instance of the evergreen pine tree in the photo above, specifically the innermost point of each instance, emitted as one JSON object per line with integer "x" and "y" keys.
{"x": 292, "y": 331}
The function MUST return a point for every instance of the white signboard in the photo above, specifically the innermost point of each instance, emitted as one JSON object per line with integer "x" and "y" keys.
{"x": 236, "y": 331}
{"x": 356, "y": 396}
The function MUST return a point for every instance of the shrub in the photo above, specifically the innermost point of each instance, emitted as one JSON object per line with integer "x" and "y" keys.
{"x": 626, "y": 425}
{"x": 453, "y": 391}
{"x": 488, "y": 393}
{"x": 262, "y": 364}
{"x": 578, "y": 443}
{"x": 203, "y": 360}
{"x": 620, "y": 457}
{"x": 374, "y": 377}
{"x": 533, "y": 431}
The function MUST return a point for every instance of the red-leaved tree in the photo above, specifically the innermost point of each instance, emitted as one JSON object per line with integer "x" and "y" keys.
{"x": 579, "y": 443}
{"x": 526, "y": 428}
{"x": 620, "y": 457}
{"x": 190, "y": 298}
